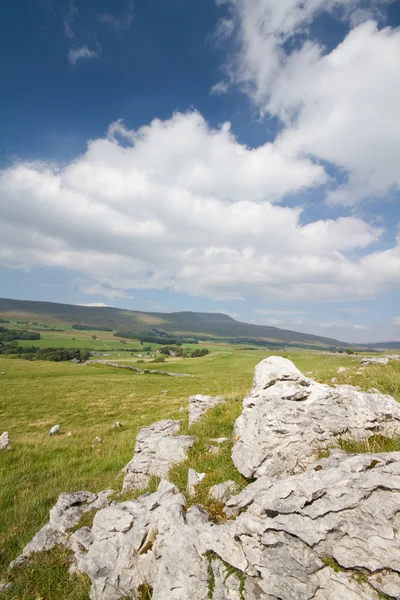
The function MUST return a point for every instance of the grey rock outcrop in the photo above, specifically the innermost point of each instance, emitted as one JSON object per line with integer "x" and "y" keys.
{"x": 5, "y": 443}
{"x": 375, "y": 361}
{"x": 147, "y": 541}
{"x": 199, "y": 405}
{"x": 328, "y": 530}
{"x": 288, "y": 418}
{"x": 194, "y": 479}
{"x": 342, "y": 508}
{"x": 65, "y": 514}
{"x": 136, "y": 369}
{"x": 223, "y": 491}
{"x": 157, "y": 449}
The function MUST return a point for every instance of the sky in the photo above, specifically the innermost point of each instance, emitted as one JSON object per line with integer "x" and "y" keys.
{"x": 235, "y": 156}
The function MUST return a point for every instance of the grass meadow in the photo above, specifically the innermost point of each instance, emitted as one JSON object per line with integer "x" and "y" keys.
{"x": 86, "y": 400}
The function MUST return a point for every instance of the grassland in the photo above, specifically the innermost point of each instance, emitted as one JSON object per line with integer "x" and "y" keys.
{"x": 86, "y": 400}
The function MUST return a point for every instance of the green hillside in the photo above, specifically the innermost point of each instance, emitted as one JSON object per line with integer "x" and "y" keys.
{"x": 204, "y": 324}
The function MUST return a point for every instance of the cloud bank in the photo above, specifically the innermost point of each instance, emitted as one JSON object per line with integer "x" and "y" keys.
{"x": 179, "y": 205}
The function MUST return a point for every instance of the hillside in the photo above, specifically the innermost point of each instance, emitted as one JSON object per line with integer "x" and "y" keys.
{"x": 206, "y": 324}
{"x": 384, "y": 345}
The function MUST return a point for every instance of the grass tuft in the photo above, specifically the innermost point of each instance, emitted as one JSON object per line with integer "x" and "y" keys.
{"x": 375, "y": 443}
{"x": 46, "y": 576}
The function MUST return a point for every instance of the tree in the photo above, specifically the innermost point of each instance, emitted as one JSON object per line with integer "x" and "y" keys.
{"x": 199, "y": 352}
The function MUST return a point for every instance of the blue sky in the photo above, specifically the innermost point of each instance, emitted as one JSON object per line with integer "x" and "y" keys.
{"x": 238, "y": 156}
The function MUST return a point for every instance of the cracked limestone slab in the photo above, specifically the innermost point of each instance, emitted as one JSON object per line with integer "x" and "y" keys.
{"x": 147, "y": 540}
{"x": 222, "y": 491}
{"x": 288, "y": 418}
{"x": 344, "y": 508}
{"x": 199, "y": 405}
{"x": 157, "y": 448}
{"x": 65, "y": 514}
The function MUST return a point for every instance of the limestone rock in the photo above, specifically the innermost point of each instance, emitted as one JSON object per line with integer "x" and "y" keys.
{"x": 226, "y": 585}
{"x": 220, "y": 440}
{"x": 64, "y": 515}
{"x": 199, "y": 404}
{"x": 288, "y": 418}
{"x": 222, "y": 491}
{"x": 341, "y": 370}
{"x": 386, "y": 582}
{"x": 5, "y": 443}
{"x": 156, "y": 450}
{"x": 147, "y": 541}
{"x": 384, "y": 360}
{"x": 54, "y": 430}
{"x": 344, "y": 507}
{"x": 193, "y": 479}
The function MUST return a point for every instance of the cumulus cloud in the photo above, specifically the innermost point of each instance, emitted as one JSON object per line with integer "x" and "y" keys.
{"x": 339, "y": 106}
{"x": 75, "y": 54}
{"x": 182, "y": 206}
{"x": 396, "y": 320}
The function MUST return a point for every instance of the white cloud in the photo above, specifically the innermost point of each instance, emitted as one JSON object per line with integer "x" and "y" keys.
{"x": 262, "y": 311}
{"x": 179, "y": 205}
{"x": 69, "y": 19}
{"x": 273, "y": 322}
{"x": 95, "y": 304}
{"x": 75, "y": 54}
{"x": 220, "y": 88}
{"x": 396, "y": 320}
{"x": 120, "y": 22}
{"x": 97, "y": 289}
{"x": 342, "y": 106}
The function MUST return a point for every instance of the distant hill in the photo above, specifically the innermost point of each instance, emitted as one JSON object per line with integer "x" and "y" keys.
{"x": 205, "y": 324}
{"x": 384, "y": 345}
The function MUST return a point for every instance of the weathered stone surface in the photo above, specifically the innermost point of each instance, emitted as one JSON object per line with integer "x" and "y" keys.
{"x": 199, "y": 405}
{"x": 194, "y": 478}
{"x": 147, "y": 541}
{"x": 222, "y": 491}
{"x": 136, "y": 369}
{"x": 341, "y": 370}
{"x": 375, "y": 361}
{"x": 386, "y": 582}
{"x": 226, "y": 585}
{"x": 5, "y": 443}
{"x": 219, "y": 440}
{"x": 64, "y": 515}
{"x": 156, "y": 450}
{"x": 289, "y": 531}
{"x": 288, "y": 418}
{"x": 345, "y": 507}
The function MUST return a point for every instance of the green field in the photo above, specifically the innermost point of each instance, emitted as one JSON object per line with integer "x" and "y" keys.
{"x": 86, "y": 400}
